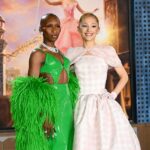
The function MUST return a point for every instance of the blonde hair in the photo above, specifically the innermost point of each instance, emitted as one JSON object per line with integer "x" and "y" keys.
{"x": 88, "y": 15}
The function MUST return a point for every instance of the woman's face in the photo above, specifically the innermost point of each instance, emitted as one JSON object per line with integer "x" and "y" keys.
{"x": 88, "y": 28}
{"x": 51, "y": 29}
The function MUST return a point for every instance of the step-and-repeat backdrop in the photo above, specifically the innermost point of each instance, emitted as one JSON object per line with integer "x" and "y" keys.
{"x": 19, "y": 25}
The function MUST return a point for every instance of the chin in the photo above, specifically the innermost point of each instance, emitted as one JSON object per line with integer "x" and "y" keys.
{"x": 89, "y": 39}
{"x": 53, "y": 40}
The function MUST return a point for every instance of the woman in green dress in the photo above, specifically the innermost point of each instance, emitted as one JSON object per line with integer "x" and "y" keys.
{"x": 42, "y": 104}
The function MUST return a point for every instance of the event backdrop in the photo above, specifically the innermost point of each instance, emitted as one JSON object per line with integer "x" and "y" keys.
{"x": 21, "y": 22}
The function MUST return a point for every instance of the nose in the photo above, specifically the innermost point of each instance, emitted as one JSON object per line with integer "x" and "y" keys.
{"x": 54, "y": 30}
{"x": 88, "y": 28}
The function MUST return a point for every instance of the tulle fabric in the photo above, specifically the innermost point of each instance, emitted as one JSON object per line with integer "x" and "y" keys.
{"x": 69, "y": 35}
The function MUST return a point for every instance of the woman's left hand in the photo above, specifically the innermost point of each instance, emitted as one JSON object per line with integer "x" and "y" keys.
{"x": 48, "y": 128}
{"x": 107, "y": 95}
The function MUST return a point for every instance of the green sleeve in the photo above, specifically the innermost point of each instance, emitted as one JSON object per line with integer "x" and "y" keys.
{"x": 74, "y": 88}
{"x": 32, "y": 101}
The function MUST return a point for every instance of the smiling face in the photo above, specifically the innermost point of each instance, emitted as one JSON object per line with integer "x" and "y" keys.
{"x": 88, "y": 27}
{"x": 50, "y": 28}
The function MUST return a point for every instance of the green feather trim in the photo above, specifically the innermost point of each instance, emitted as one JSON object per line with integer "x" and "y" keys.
{"x": 73, "y": 88}
{"x": 32, "y": 101}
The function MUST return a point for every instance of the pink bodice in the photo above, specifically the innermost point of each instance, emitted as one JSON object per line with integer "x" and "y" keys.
{"x": 69, "y": 10}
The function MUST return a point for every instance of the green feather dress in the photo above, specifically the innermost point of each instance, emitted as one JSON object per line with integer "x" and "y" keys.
{"x": 34, "y": 99}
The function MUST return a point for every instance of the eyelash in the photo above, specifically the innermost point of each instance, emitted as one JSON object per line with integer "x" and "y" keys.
{"x": 84, "y": 26}
{"x": 49, "y": 26}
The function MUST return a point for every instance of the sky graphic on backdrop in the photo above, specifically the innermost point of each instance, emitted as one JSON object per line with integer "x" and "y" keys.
{"x": 21, "y": 19}
{"x": 22, "y": 22}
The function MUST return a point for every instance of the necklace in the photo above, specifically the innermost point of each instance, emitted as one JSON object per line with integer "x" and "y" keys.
{"x": 52, "y": 49}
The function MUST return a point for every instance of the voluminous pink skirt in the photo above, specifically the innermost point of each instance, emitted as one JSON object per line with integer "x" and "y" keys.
{"x": 100, "y": 124}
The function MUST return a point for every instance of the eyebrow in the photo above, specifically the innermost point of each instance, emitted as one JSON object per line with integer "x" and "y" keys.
{"x": 92, "y": 23}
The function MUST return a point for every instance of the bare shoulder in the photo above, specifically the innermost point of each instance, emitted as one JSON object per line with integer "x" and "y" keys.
{"x": 35, "y": 61}
{"x": 37, "y": 55}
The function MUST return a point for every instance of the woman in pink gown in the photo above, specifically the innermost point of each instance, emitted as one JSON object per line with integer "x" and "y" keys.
{"x": 100, "y": 123}
{"x": 69, "y": 35}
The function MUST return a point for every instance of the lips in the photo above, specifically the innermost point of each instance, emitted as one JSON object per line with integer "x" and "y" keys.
{"x": 88, "y": 34}
{"x": 54, "y": 36}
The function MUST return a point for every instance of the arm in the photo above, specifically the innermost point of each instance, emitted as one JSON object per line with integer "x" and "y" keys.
{"x": 80, "y": 9}
{"x": 83, "y": 11}
{"x": 35, "y": 61}
{"x": 53, "y": 3}
{"x": 123, "y": 79}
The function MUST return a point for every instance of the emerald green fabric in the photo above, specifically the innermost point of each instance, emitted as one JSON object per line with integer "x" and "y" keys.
{"x": 33, "y": 100}
{"x": 54, "y": 67}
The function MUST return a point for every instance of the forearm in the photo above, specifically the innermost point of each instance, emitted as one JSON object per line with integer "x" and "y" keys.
{"x": 80, "y": 9}
{"x": 122, "y": 82}
{"x": 53, "y": 3}
{"x": 83, "y": 11}
{"x": 33, "y": 73}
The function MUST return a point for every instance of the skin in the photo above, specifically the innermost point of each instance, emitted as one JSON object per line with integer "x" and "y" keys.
{"x": 50, "y": 29}
{"x": 68, "y": 2}
{"x": 88, "y": 29}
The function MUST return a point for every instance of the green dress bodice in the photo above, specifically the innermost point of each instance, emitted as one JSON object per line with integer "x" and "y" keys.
{"x": 54, "y": 66}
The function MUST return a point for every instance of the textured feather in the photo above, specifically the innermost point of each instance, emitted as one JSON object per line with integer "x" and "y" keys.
{"x": 73, "y": 88}
{"x": 32, "y": 102}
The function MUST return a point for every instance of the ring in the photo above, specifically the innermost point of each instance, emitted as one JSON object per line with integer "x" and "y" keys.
{"x": 45, "y": 131}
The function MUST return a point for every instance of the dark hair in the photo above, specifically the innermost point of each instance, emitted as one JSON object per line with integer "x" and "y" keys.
{"x": 88, "y": 15}
{"x": 45, "y": 18}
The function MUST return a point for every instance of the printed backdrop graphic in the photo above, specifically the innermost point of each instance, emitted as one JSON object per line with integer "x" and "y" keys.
{"x": 22, "y": 36}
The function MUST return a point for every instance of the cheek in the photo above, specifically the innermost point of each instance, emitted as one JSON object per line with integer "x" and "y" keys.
{"x": 48, "y": 31}
{"x": 59, "y": 30}
{"x": 96, "y": 31}
{"x": 81, "y": 33}
{"x": 82, "y": 30}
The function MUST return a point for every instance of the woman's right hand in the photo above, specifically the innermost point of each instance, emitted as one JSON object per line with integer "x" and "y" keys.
{"x": 95, "y": 10}
{"x": 48, "y": 128}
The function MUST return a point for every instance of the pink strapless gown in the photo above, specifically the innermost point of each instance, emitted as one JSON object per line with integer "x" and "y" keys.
{"x": 69, "y": 36}
{"x": 99, "y": 121}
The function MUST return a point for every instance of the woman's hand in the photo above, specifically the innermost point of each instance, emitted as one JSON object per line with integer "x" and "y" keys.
{"x": 96, "y": 9}
{"x": 107, "y": 95}
{"x": 48, "y": 128}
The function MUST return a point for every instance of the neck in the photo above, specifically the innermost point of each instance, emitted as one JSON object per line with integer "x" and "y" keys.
{"x": 50, "y": 48}
{"x": 50, "y": 44}
{"x": 89, "y": 44}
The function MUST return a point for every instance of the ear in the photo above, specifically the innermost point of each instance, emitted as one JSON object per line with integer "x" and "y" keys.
{"x": 98, "y": 30}
{"x": 42, "y": 29}
{"x": 78, "y": 29}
